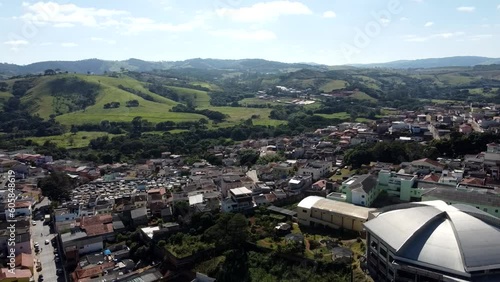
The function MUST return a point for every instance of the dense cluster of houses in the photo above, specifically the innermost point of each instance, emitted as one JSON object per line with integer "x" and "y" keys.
{"x": 111, "y": 198}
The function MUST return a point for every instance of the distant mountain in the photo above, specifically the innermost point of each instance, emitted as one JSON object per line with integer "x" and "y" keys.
{"x": 459, "y": 61}
{"x": 100, "y": 66}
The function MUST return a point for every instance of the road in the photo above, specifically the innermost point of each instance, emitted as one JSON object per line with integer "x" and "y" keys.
{"x": 40, "y": 233}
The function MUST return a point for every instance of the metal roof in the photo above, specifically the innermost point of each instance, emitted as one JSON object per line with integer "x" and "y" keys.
{"x": 335, "y": 206}
{"x": 440, "y": 236}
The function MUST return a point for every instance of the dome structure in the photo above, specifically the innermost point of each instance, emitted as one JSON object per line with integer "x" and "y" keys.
{"x": 434, "y": 240}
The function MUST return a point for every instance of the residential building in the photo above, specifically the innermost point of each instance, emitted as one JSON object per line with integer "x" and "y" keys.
{"x": 239, "y": 199}
{"x": 299, "y": 183}
{"x": 316, "y": 169}
{"x": 427, "y": 164}
{"x": 398, "y": 185}
{"x": 432, "y": 241}
{"x": 318, "y": 211}
{"x": 360, "y": 190}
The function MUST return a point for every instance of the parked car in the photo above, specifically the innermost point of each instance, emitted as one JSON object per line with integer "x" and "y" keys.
{"x": 47, "y": 242}
{"x": 33, "y": 223}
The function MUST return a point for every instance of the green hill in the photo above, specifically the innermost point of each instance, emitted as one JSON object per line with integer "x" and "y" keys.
{"x": 43, "y": 99}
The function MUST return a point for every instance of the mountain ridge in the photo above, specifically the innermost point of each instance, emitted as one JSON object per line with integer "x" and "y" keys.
{"x": 99, "y": 66}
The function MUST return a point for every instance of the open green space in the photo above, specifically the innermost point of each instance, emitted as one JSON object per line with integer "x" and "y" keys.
{"x": 201, "y": 98}
{"x": 333, "y": 85}
{"x": 340, "y": 115}
{"x": 80, "y": 139}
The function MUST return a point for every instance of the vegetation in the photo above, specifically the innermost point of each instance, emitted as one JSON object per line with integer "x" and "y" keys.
{"x": 57, "y": 186}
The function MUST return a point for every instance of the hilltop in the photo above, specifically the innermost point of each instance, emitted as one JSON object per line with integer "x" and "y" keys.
{"x": 98, "y": 66}
{"x": 458, "y": 61}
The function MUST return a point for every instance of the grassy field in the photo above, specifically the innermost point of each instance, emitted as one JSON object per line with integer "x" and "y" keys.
{"x": 154, "y": 111}
{"x": 362, "y": 96}
{"x": 344, "y": 172}
{"x": 340, "y": 115}
{"x": 257, "y": 101}
{"x": 210, "y": 86}
{"x": 456, "y": 79}
{"x": 201, "y": 98}
{"x": 368, "y": 81}
{"x": 333, "y": 85}
{"x": 70, "y": 141}
{"x": 239, "y": 114}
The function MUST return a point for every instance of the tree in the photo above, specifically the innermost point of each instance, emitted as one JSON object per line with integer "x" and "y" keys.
{"x": 57, "y": 186}
{"x": 49, "y": 72}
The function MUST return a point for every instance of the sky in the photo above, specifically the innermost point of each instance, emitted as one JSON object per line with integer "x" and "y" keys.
{"x": 332, "y": 32}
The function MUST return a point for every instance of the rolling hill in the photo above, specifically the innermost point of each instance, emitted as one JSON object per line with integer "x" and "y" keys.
{"x": 458, "y": 61}
{"x": 98, "y": 66}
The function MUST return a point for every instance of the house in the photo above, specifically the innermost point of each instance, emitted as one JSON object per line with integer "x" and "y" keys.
{"x": 25, "y": 261}
{"x": 427, "y": 164}
{"x": 359, "y": 190}
{"x": 98, "y": 225}
{"x": 299, "y": 183}
{"x": 239, "y": 199}
{"x": 19, "y": 275}
{"x": 139, "y": 216}
{"x": 22, "y": 237}
{"x": 64, "y": 220}
{"x": 76, "y": 243}
{"x": 316, "y": 169}
{"x": 228, "y": 182}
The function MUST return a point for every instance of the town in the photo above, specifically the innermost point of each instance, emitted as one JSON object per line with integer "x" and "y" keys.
{"x": 315, "y": 199}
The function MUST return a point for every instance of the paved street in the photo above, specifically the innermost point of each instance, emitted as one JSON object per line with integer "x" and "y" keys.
{"x": 40, "y": 233}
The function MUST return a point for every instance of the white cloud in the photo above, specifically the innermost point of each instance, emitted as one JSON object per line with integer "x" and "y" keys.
{"x": 498, "y": 7}
{"x": 447, "y": 35}
{"x": 54, "y": 13}
{"x": 329, "y": 14}
{"x": 465, "y": 9}
{"x": 480, "y": 37}
{"x": 69, "y": 44}
{"x": 404, "y": 19}
{"x": 69, "y": 15}
{"x": 99, "y": 39}
{"x": 16, "y": 43}
{"x": 428, "y": 24}
{"x": 384, "y": 21}
{"x": 257, "y": 35}
{"x": 64, "y": 25}
{"x": 135, "y": 25}
{"x": 264, "y": 12}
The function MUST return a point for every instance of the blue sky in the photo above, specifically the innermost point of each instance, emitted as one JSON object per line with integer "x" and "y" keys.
{"x": 330, "y": 32}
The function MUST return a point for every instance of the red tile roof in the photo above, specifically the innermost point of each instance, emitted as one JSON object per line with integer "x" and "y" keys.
{"x": 431, "y": 178}
{"x": 24, "y": 260}
{"x": 473, "y": 181}
{"x": 429, "y": 161}
{"x": 82, "y": 274}
{"x": 19, "y": 273}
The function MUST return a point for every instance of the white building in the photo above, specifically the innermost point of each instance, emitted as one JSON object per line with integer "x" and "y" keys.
{"x": 319, "y": 211}
{"x": 316, "y": 169}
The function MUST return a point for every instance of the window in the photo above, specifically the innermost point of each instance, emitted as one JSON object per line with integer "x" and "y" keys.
{"x": 304, "y": 210}
{"x": 496, "y": 211}
{"x": 373, "y": 244}
{"x": 363, "y": 196}
{"x": 383, "y": 252}
{"x": 485, "y": 209}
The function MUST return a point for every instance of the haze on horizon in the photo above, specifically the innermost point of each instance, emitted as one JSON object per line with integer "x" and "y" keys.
{"x": 333, "y": 33}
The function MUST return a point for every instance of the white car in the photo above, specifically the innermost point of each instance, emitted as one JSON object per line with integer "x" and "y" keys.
{"x": 47, "y": 242}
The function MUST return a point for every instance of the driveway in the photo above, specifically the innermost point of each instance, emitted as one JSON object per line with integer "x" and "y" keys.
{"x": 40, "y": 233}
